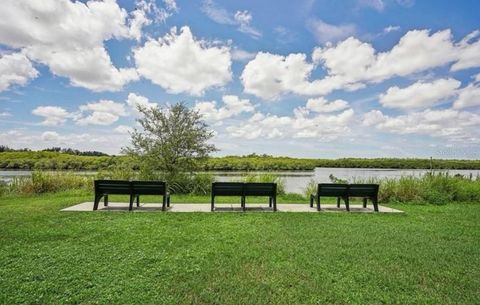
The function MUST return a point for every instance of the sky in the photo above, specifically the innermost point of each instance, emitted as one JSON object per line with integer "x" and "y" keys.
{"x": 307, "y": 78}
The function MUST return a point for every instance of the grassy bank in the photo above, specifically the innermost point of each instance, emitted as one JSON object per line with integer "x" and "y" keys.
{"x": 429, "y": 255}
{"x": 431, "y": 188}
{"x": 63, "y": 161}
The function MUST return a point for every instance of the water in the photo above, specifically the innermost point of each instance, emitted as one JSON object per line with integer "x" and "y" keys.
{"x": 295, "y": 181}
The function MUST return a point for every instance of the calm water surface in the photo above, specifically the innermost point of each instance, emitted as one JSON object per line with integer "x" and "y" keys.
{"x": 295, "y": 181}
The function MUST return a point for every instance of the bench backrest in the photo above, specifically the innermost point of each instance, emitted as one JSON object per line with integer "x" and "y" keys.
{"x": 332, "y": 189}
{"x": 363, "y": 190}
{"x": 112, "y": 186}
{"x": 260, "y": 189}
{"x": 149, "y": 187}
{"x": 227, "y": 188}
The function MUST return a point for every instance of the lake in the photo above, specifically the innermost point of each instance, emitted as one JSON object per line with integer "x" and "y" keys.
{"x": 295, "y": 181}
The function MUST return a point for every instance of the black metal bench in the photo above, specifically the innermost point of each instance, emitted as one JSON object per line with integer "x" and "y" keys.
{"x": 344, "y": 192}
{"x": 245, "y": 189}
{"x": 134, "y": 189}
{"x": 261, "y": 189}
{"x": 150, "y": 188}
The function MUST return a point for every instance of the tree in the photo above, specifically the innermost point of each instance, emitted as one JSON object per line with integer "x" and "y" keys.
{"x": 172, "y": 140}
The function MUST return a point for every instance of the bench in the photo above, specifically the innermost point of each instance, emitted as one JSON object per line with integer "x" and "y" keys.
{"x": 344, "y": 192}
{"x": 150, "y": 188}
{"x": 134, "y": 189}
{"x": 245, "y": 189}
{"x": 261, "y": 189}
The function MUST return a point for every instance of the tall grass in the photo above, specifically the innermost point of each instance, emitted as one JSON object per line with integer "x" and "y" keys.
{"x": 267, "y": 177}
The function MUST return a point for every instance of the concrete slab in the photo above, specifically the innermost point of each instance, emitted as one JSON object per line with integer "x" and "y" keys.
{"x": 205, "y": 207}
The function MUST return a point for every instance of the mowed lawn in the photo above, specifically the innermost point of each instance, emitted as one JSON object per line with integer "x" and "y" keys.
{"x": 429, "y": 255}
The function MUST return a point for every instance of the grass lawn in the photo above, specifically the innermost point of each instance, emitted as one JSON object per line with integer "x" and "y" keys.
{"x": 429, "y": 255}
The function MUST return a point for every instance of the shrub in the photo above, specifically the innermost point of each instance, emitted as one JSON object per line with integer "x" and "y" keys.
{"x": 267, "y": 177}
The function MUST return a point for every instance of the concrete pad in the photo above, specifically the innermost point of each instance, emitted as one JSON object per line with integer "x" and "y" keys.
{"x": 205, "y": 207}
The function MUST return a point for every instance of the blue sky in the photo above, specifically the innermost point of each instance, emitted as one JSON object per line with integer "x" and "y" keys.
{"x": 354, "y": 78}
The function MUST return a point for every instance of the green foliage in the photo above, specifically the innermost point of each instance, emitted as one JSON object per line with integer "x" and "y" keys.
{"x": 172, "y": 140}
{"x": 310, "y": 188}
{"x": 266, "y": 177}
{"x": 195, "y": 184}
{"x": 47, "y": 182}
{"x": 61, "y": 161}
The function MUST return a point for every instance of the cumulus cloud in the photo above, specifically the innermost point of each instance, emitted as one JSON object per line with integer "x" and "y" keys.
{"x": 69, "y": 37}
{"x": 322, "y": 105}
{"x": 447, "y": 123}
{"x": 53, "y": 115}
{"x": 5, "y": 114}
{"x": 329, "y": 33}
{"x": 420, "y": 94}
{"x": 301, "y": 125}
{"x": 181, "y": 64}
{"x": 15, "y": 69}
{"x": 134, "y": 101}
{"x": 232, "y": 106}
{"x": 468, "y": 97}
{"x": 50, "y": 136}
{"x": 103, "y": 112}
{"x": 241, "y": 19}
{"x": 123, "y": 129}
{"x": 352, "y": 64}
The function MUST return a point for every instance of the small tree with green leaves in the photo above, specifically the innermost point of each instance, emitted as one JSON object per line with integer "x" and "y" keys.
{"x": 172, "y": 141}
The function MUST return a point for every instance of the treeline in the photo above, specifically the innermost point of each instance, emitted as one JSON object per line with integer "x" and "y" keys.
{"x": 69, "y": 151}
{"x": 58, "y": 160}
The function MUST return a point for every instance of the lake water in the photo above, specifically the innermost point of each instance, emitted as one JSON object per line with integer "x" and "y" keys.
{"x": 295, "y": 181}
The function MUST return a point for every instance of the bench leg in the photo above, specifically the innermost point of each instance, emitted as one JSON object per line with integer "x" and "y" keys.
{"x": 130, "y": 206}
{"x": 138, "y": 201}
{"x": 212, "y": 207}
{"x": 318, "y": 203}
{"x": 347, "y": 203}
{"x": 364, "y": 203}
{"x": 311, "y": 200}
{"x": 270, "y": 199}
{"x": 375, "y": 204}
{"x": 164, "y": 203}
{"x": 105, "y": 201}
{"x": 96, "y": 202}
{"x": 338, "y": 202}
{"x": 243, "y": 203}
{"x": 168, "y": 200}
{"x": 275, "y": 203}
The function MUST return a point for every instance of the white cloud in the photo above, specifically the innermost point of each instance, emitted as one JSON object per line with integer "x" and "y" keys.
{"x": 468, "y": 97}
{"x": 241, "y": 19}
{"x": 269, "y": 76}
{"x": 179, "y": 63}
{"x": 53, "y": 115}
{"x": 377, "y": 5}
{"x": 232, "y": 106}
{"x": 406, "y": 3}
{"x": 391, "y": 28}
{"x": 134, "y": 100}
{"x": 50, "y": 136}
{"x": 242, "y": 55}
{"x": 446, "y": 123}
{"x": 69, "y": 37}
{"x": 329, "y": 33}
{"x": 322, "y": 105}
{"x": 300, "y": 125}
{"x": 123, "y": 129}
{"x": 5, "y": 114}
{"x": 103, "y": 112}
{"x": 352, "y": 64}
{"x": 420, "y": 94}
{"x": 15, "y": 69}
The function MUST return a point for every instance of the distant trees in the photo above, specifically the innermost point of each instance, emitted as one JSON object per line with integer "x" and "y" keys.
{"x": 76, "y": 152}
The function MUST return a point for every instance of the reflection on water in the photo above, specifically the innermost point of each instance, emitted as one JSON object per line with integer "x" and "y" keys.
{"x": 295, "y": 181}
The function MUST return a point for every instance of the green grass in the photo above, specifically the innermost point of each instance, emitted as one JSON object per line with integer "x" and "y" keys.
{"x": 429, "y": 255}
